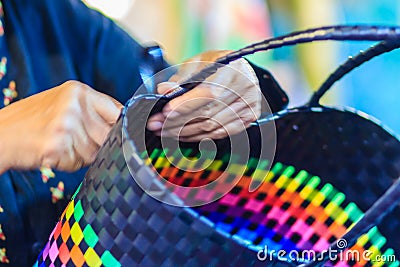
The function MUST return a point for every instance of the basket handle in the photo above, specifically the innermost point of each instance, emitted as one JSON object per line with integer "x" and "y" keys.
{"x": 374, "y": 215}
{"x": 351, "y": 64}
{"x": 338, "y": 33}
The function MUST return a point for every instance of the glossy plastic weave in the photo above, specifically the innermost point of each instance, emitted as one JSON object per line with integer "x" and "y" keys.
{"x": 331, "y": 165}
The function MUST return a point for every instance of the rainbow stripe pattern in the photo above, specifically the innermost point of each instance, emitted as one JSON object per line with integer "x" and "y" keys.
{"x": 291, "y": 210}
{"x": 73, "y": 242}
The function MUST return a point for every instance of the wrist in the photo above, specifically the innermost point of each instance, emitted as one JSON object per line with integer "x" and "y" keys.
{"x": 277, "y": 98}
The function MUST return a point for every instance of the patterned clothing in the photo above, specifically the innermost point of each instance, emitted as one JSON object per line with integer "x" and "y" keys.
{"x": 44, "y": 43}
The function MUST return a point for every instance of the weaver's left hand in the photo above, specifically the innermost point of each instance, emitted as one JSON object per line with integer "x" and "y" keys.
{"x": 224, "y": 105}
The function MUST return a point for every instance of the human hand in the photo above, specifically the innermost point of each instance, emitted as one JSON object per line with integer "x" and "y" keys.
{"x": 225, "y": 104}
{"x": 60, "y": 128}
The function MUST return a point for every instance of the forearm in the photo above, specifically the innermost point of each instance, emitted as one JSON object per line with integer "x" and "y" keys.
{"x": 7, "y": 142}
{"x": 4, "y": 158}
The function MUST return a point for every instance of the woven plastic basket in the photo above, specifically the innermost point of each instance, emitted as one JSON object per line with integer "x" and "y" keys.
{"x": 330, "y": 166}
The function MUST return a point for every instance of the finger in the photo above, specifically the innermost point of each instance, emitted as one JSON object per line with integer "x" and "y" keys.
{"x": 188, "y": 68}
{"x": 201, "y": 101}
{"x": 84, "y": 146}
{"x": 72, "y": 148}
{"x": 231, "y": 128}
{"x": 238, "y": 123}
{"x": 155, "y": 122}
{"x": 235, "y": 78}
{"x": 63, "y": 156}
{"x": 69, "y": 164}
{"x": 176, "y": 119}
{"x": 209, "y": 108}
{"x": 166, "y": 87}
{"x": 107, "y": 107}
{"x": 216, "y": 109}
{"x": 190, "y": 101}
{"x": 226, "y": 85}
{"x": 236, "y": 111}
{"x": 95, "y": 126}
{"x": 199, "y": 96}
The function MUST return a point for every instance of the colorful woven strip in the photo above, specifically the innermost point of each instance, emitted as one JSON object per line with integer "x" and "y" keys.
{"x": 290, "y": 211}
{"x": 74, "y": 242}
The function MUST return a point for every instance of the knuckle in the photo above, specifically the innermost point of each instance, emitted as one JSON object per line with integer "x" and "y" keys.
{"x": 207, "y": 111}
{"x": 249, "y": 116}
{"x": 209, "y": 125}
{"x": 71, "y": 83}
{"x": 254, "y": 107}
{"x": 209, "y": 90}
{"x": 220, "y": 92}
{"x": 64, "y": 124}
{"x": 213, "y": 91}
{"x": 219, "y": 134}
{"x": 66, "y": 114}
{"x": 75, "y": 88}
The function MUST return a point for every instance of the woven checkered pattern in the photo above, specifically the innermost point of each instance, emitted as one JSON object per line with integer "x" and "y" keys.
{"x": 293, "y": 209}
{"x": 290, "y": 211}
{"x": 127, "y": 226}
{"x": 74, "y": 243}
{"x": 348, "y": 150}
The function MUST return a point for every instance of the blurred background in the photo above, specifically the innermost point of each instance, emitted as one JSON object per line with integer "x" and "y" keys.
{"x": 187, "y": 27}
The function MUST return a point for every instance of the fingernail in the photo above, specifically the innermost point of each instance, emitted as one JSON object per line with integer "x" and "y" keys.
{"x": 154, "y": 125}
